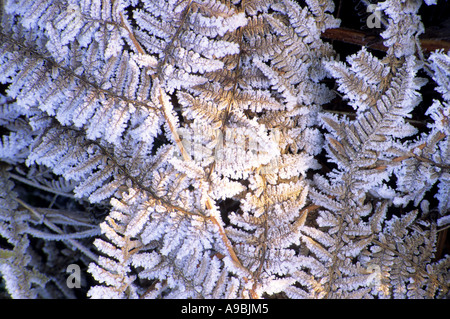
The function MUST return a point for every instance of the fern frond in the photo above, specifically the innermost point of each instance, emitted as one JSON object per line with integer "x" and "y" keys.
{"x": 193, "y": 149}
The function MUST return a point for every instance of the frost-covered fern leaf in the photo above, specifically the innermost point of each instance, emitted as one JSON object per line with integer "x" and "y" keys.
{"x": 366, "y": 144}
{"x": 113, "y": 270}
{"x": 142, "y": 240}
{"x": 187, "y": 38}
{"x": 271, "y": 210}
{"x": 202, "y": 59}
{"x": 440, "y": 63}
{"x": 367, "y": 151}
{"x": 14, "y": 146}
{"x": 70, "y": 63}
{"x": 436, "y": 145}
{"x": 404, "y": 26}
{"x": 427, "y": 161}
{"x": 85, "y": 165}
{"x": 194, "y": 130}
{"x": 402, "y": 258}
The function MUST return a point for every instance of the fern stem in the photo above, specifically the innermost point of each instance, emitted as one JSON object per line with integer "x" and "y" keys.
{"x": 209, "y": 204}
{"x": 132, "y": 37}
{"x": 353, "y": 115}
{"x": 58, "y": 230}
{"x": 39, "y": 186}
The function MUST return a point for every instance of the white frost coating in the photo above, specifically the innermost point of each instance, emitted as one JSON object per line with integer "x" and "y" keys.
{"x": 203, "y": 139}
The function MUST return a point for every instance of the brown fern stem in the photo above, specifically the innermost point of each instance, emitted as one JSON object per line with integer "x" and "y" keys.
{"x": 209, "y": 204}
{"x": 376, "y": 42}
{"x": 132, "y": 37}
